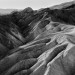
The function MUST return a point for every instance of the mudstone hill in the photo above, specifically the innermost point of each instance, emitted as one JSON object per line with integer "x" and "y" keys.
{"x": 38, "y": 42}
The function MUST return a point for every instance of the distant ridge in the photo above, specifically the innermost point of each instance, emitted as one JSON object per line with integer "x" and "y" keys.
{"x": 7, "y": 11}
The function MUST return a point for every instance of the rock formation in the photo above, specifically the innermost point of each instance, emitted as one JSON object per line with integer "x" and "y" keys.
{"x": 38, "y": 42}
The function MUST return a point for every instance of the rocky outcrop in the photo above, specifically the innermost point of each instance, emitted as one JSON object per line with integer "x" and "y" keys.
{"x": 38, "y": 42}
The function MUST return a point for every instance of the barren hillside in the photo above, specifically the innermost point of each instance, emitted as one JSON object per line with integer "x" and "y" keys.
{"x": 38, "y": 42}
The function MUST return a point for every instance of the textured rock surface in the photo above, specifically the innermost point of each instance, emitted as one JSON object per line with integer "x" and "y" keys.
{"x": 38, "y": 42}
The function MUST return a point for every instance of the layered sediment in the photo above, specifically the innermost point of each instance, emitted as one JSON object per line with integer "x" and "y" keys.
{"x": 38, "y": 42}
